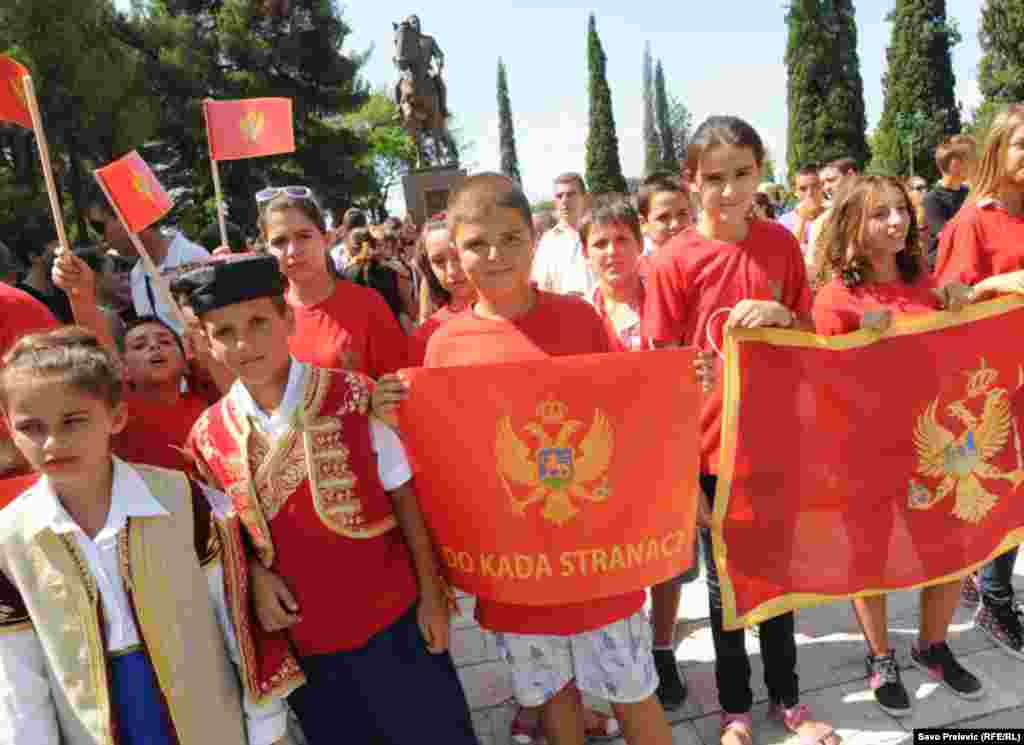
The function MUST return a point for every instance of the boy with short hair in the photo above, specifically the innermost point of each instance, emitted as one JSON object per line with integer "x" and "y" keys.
{"x": 956, "y": 158}
{"x": 341, "y": 554}
{"x": 664, "y": 208}
{"x": 605, "y": 644}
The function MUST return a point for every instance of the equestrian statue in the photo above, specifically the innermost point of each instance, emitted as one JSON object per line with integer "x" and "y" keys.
{"x": 421, "y": 95}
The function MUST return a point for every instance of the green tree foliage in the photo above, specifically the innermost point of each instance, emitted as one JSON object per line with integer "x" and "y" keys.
{"x": 1001, "y": 70}
{"x": 604, "y": 169}
{"x": 920, "y": 106}
{"x": 667, "y": 147}
{"x": 229, "y": 49}
{"x": 652, "y": 144}
{"x": 93, "y": 98}
{"x": 390, "y": 150}
{"x": 825, "y": 90}
{"x": 507, "y": 132}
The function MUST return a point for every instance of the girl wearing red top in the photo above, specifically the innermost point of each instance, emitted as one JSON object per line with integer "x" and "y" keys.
{"x": 986, "y": 239}
{"x": 871, "y": 267}
{"x": 450, "y": 291}
{"x": 756, "y": 269}
{"x": 338, "y": 324}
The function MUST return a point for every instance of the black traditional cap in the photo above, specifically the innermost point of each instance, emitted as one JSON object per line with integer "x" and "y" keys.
{"x": 230, "y": 280}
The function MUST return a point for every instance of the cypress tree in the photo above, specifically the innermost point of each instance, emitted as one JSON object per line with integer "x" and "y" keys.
{"x": 920, "y": 105}
{"x": 507, "y": 133}
{"x": 666, "y": 131}
{"x": 825, "y": 90}
{"x": 652, "y": 150}
{"x": 604, "y": 170}
{"x": 1001, "y": 70}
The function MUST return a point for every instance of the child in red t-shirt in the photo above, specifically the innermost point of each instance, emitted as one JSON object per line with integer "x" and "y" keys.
{"x": 159, "y": 414}
{"x": 986, "y": 239}
{"x": 871, "y": 267}
{"x": 449, "y": 289}
{"x": 605, "y": 645}
{"x": 755, "y": 268}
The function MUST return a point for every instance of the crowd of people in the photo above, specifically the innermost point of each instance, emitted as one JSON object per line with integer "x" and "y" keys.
{"x": 191, "y": 459}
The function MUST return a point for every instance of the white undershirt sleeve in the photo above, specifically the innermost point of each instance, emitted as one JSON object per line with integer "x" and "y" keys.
{"x": 28, "y": 715}
{"x": 392, "y": 462}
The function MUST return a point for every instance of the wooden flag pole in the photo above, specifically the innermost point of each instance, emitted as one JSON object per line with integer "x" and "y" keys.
{"x": 162, "y": 287}
{"x": 218, "y": 193}
{"x": 44, "y": 156}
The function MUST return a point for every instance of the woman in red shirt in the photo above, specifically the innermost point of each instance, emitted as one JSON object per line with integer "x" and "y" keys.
{"x": 986, "y": 239}
{"x": 872, "y": 267}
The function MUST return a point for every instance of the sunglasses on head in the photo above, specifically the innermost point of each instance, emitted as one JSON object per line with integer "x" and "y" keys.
{"x": 296, "y": 192}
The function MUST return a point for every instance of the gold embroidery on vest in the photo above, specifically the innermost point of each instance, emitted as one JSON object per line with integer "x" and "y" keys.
{"x": 280, "y": 468}
{"x": 95, "y": 647}
{"x": 241, "y": 487}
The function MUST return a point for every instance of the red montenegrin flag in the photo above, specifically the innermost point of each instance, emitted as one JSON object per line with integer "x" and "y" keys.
{"x": 13, "y": 103}
{"x": 135, "y": 190}
{"x": 249, "y": 128}
{"x": 853, "y": 465}
{"x": 561, "y": 480}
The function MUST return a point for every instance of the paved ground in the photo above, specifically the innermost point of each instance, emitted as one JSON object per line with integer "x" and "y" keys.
{"x": 831, "y": 668}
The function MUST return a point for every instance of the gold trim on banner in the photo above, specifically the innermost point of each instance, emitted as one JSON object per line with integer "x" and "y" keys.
{"x": 902, "y": 326}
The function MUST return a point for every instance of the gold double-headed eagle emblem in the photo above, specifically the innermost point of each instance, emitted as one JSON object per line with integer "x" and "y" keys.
{"x": 18, "y": 88}
{"x": 252, "y": 125}
{"x": 963, "y": 461}
{"x": 143, "y": 185}
{"x": 557, "y": 468}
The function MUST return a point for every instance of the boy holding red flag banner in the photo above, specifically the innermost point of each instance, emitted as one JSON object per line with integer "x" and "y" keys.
{"x": 754, "y": 271}
{"x": 317, "y": 485}
{"x": 604, "y": 644}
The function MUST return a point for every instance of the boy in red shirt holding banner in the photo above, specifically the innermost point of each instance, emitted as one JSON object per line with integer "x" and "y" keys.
{"x": 604, "y": 645}
{"x": 352, "y": 611}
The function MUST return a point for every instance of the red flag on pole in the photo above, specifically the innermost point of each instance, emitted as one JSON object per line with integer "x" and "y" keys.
{"x": 13, "y": 103}
{"x": 249, "y": 128}
{"x": 854, "y": 465}
{"x": 135, "y": 191}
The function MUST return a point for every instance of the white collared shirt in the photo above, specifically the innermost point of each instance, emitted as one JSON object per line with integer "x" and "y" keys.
{"x": 559, "y": 265}
{"x": 147, "y": 302}
{"x": 392, "y": 463}
{"x": 130, "y": 497}
{"x": 27, "y": 713}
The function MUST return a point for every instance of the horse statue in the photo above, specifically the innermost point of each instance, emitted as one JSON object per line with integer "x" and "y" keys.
{"x": 420, "y": 95}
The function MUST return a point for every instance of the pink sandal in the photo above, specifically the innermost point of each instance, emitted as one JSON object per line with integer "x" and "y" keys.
{"x": 821, "y": 734}
{"x": 742, "y": 725}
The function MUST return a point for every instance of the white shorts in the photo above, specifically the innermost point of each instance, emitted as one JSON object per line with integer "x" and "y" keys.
{"x": 614, "y": 663}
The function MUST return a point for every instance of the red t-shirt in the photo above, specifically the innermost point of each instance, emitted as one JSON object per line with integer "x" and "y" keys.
{"x": 556, "y": 325}
{"x": 692, "y": 277}
{"x": 839, "y": 309}
{"x": 353, "y": 329}
{"x": 420, "y": 337}
{"x": 155, "y": 431}
{"x": 982, "y": 241}
{"x": 20, "y": 314}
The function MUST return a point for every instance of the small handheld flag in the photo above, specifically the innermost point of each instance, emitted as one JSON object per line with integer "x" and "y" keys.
{"x": 134, "y": 191}
{"x": 13, "y": 102}
{"x": 249, "y": 128}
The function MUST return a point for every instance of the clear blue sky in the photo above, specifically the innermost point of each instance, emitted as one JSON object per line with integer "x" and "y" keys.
{"x": 725, "y": 58}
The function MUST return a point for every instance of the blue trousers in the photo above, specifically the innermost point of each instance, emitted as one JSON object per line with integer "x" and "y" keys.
{"x": 137, "y": 702}
{"x": 995, "y": 579}
{"x": 391, "y": 691}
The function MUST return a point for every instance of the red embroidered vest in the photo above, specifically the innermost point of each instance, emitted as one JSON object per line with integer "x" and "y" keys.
{"x": 315, "y": 512}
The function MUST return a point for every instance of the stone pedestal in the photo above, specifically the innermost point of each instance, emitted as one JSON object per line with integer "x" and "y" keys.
{"x": 427, "y": 190}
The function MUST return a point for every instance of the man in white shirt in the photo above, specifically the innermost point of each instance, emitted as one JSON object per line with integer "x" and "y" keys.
{"x": 167, "y": 253}
{"x": 559, "y": 264}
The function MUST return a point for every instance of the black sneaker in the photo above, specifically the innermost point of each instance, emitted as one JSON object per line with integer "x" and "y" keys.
{"x": 1002, "y": 622}
{"x": 884, "y": 677}
{"x": 671, "y": 681}
{"x": 941, "y": 666}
